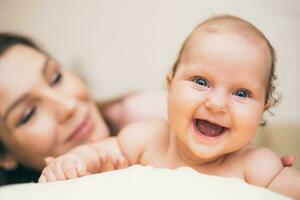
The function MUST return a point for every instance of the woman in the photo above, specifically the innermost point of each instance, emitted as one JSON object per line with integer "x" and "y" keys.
{"x": 46, "y": 110}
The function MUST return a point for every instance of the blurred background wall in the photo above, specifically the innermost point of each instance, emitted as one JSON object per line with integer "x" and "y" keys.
{"x": 124, "y": 45}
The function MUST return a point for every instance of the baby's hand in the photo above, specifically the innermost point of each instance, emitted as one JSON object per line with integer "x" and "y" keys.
{"x": 64, "y": 167}
{"x": 112, "y": 162}
{"x": 84, "y": 160}
{"x": 109, "y": 154}
{"x": 71, "y": 166}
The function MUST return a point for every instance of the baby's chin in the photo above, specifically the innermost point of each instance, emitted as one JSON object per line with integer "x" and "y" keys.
{"x": 207, "y": 152}
{"x": 209, "y": 155}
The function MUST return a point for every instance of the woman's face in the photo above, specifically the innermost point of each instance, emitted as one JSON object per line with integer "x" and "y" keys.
{"x": 44, "y": 110}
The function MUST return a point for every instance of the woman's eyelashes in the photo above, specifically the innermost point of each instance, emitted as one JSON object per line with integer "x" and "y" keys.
{"x": 201, "y": 81}
{"x": 56, "y": 78}
{"x": 26, "y": 116}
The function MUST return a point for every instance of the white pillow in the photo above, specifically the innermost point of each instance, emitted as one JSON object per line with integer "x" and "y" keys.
{"x": 141, "y": 183}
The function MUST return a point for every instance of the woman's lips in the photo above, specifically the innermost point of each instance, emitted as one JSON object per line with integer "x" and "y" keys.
{"x": 83, "y": 130}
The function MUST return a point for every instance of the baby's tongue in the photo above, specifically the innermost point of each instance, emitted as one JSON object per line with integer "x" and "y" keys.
{"x": 209, "y": 129}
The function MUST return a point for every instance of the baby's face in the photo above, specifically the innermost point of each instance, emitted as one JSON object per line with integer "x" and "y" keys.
{"x": 217, "y": 95}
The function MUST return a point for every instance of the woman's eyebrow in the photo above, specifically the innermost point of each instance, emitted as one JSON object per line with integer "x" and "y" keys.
{"x": 45, "y": 66}
{"x": 25, "y": 96}
{"x": 13, "y": 105}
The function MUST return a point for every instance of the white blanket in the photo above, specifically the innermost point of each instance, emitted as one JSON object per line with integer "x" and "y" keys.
{"x": 141, "y": 183}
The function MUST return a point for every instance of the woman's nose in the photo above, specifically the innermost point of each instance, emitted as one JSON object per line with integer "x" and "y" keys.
{"x": 63, "y": 106}
{"x": 217, "y": 102}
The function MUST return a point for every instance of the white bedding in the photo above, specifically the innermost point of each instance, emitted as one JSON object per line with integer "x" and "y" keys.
{"x": 141, "y": 183}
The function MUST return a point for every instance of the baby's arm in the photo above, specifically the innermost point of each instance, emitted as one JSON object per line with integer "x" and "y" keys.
{"x": 133, "y": 140}
{"x": 106, "y": 155}
{"x": 264, "y": 168}
{"x": 85, "y": 159}
{"x": 287, "y": 182}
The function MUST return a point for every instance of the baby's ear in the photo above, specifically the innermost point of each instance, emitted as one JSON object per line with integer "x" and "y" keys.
{"x": 8, "y": 162}
{"x": 267, "y": 105}
{"x": 169, "y": 78}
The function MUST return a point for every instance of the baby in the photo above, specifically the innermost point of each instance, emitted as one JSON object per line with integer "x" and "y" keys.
{"x": 218, "y": 90}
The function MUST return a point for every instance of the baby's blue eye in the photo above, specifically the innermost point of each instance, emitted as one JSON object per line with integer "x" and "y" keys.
{"x": 201, "y": 81}
{"x": 241, "y": 93}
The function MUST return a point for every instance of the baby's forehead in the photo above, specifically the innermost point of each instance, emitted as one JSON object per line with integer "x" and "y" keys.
{"x": 229, "y": 27}
{"x": 234, "y": 26}
{"x": 239, "y": 38}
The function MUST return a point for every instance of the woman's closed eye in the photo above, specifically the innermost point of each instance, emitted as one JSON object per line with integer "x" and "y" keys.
{"x": 26, "y": 116}
{"x": 56, "y": 78}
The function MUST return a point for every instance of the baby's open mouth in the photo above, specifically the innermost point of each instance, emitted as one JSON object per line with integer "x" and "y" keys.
{"x": 209, "y": 129}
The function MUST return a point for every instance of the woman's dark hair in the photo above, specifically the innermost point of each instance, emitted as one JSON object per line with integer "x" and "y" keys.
{"x": 21, "y": 174}
{"x": 8, "y": 40}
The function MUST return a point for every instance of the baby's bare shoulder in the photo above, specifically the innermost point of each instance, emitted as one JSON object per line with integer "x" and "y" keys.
{"x": 147, "y": 129}
{"x": 260, "y": 165}
{"x": 135, "y": 138}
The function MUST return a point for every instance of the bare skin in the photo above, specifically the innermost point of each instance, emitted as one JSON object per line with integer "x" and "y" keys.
{"x": 46, "y": 111}
{"x": 212, "y": 117}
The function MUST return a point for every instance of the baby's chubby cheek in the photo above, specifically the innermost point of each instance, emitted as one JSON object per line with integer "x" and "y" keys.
{"x": 246, "y": 127}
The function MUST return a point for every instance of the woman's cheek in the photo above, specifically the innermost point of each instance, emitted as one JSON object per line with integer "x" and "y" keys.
{"x": 41, "y": 138}
{"x": 75, "y": 87}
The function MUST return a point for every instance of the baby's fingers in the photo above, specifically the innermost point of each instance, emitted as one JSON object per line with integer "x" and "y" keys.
{"x": 107, "y": 163}
{"x": 42, "y": 179}
{"x": 81, "y": 168}
{"x": 69, "y": 168}
{"x": 47, "y": 175}
{"x": 58, "y": 170}
{"x": 122, "y": 163}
